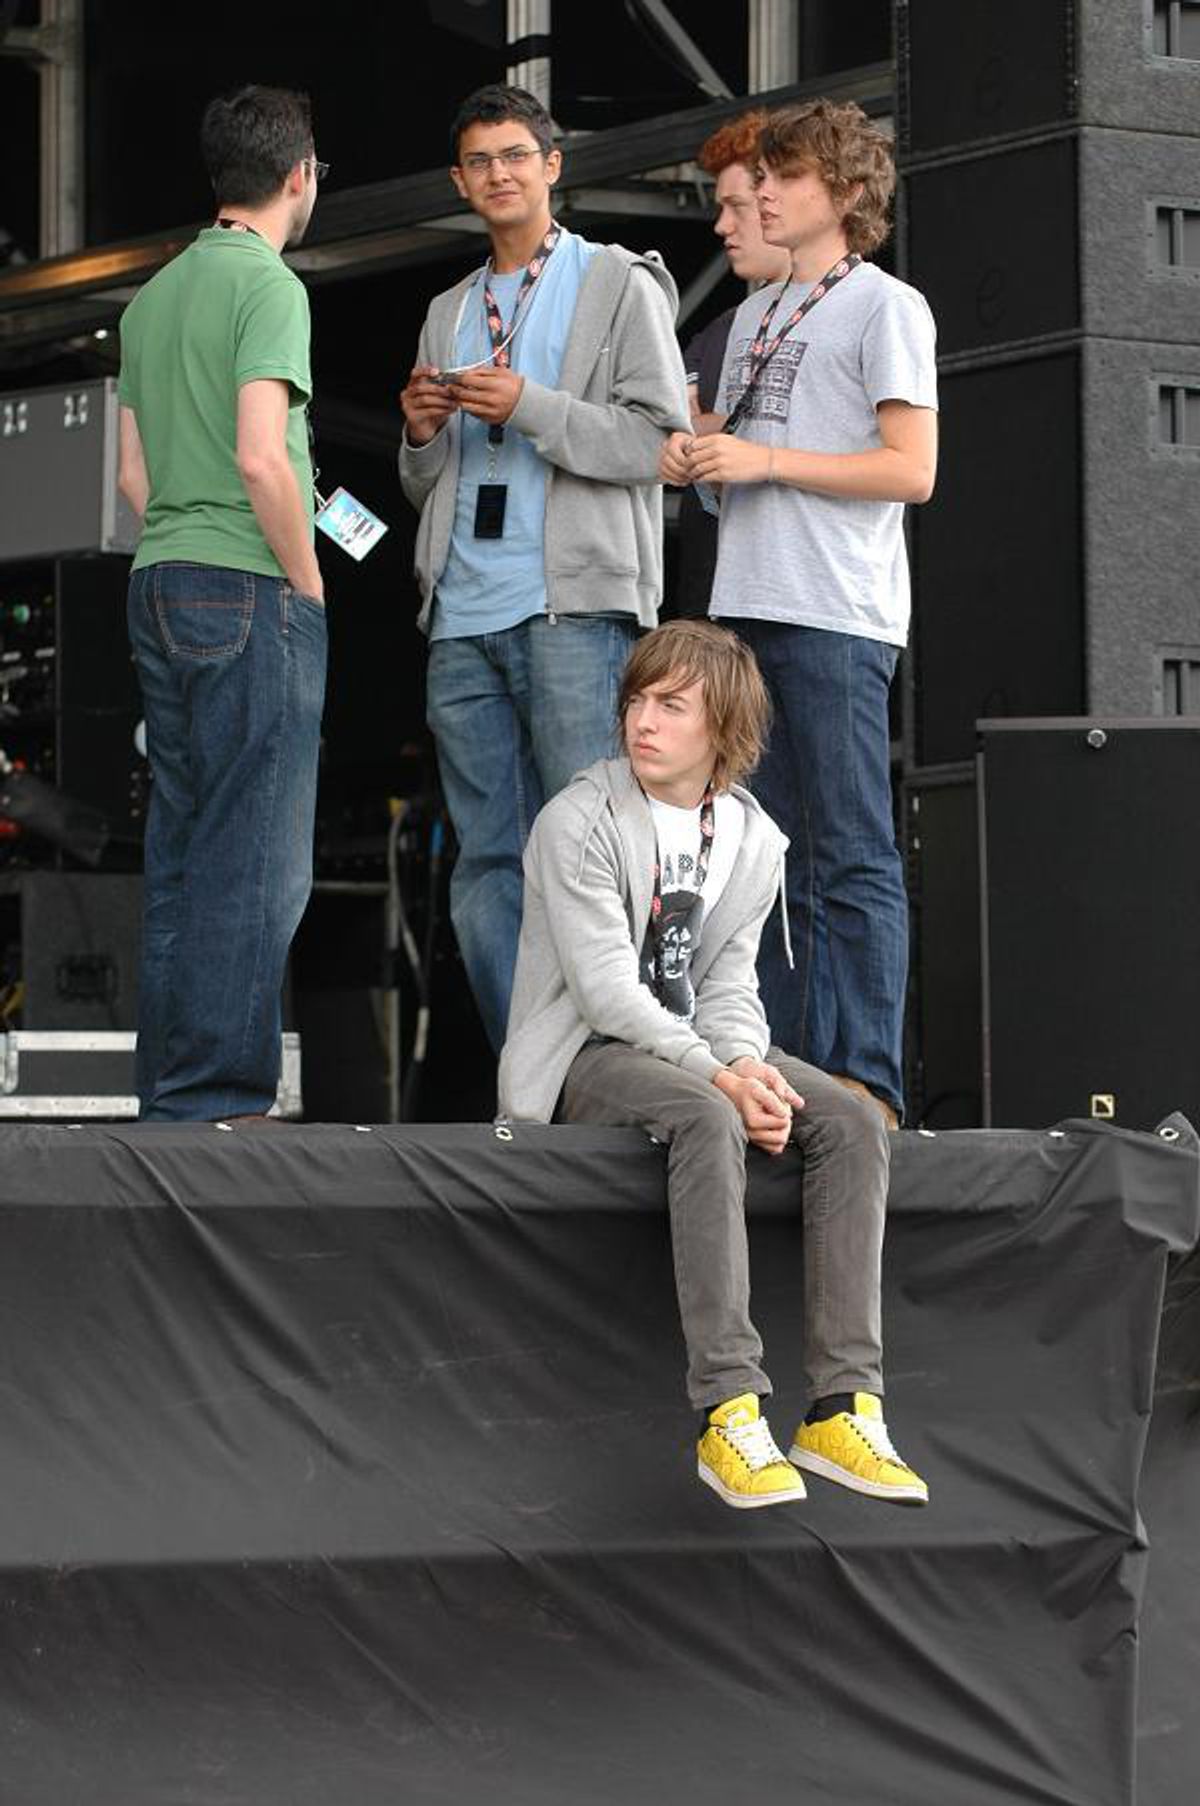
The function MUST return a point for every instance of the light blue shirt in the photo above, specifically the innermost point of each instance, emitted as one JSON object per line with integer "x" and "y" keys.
{"x": 492, "y": 584}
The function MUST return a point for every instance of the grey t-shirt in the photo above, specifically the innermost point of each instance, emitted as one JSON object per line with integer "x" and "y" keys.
{"x": 813, "y": 560}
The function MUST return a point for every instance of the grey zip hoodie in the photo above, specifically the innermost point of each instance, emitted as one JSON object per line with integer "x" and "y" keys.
{"x": 589, "y": 880}
{"x": 621, "y": 390}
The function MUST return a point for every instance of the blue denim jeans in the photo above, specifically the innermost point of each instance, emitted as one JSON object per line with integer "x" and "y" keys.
{"x": 515, "y": 716}
{"x": 232, "y": 670}
{"x": 826, "y": 780}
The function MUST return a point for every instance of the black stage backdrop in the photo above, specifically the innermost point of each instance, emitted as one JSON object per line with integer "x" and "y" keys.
{"x": 345, "y": 1467}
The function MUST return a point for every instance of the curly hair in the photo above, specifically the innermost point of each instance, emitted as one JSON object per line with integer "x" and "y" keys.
{"x": 852, "y": 156}
{"x": 734, "y": 142}
{"x": 735, "y": 696}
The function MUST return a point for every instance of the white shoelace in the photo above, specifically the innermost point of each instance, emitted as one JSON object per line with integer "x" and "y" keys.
{"x": 874, "y": 1431}
{"x": 754, "y": 1443}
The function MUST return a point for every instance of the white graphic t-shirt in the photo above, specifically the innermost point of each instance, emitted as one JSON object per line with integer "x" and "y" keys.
{"x": 819, "y": 560}
{"x": 684, "y": 907}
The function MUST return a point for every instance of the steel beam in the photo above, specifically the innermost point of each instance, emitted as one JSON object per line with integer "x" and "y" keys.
{"x": 55, "y": 48}
{"x": 686, "y": 48}
{"x": 529, "y": 47}
{"x": 358, "y": 229}
{"x": 774, "y": 43}
{"x": 61, "y": 81}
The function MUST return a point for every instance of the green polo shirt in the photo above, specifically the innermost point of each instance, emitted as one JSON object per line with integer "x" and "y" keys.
{"x": 224, "y": 312}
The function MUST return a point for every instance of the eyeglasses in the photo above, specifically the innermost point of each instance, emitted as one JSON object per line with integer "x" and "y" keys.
{"x": 320, "y": 170}
{"x": 516, "y": 157}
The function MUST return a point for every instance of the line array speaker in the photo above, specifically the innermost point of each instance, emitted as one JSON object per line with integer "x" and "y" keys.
{"x": 1091, "y": 932}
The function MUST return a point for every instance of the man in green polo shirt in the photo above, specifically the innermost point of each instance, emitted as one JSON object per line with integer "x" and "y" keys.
{"x": 226, "y": 616}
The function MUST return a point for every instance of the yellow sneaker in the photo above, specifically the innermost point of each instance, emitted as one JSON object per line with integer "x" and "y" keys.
{"x": 738, "y": 1457}
{"x": 854, "y": 1449}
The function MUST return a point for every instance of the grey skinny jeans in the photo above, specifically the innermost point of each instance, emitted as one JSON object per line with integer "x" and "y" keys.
{"x": 845, "y": 1149}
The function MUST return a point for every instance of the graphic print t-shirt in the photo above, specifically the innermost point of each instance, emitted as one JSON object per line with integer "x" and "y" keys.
{"x": 791, "y": 555}
{"x": 684, "y": 908}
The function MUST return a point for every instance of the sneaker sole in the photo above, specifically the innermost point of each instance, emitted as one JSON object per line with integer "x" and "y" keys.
{"x": 829, "y": 1470}
{"x": 749, "y": 1502}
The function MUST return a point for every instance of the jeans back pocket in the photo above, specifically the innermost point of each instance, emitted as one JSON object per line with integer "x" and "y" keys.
{"x": 203, "y": 610}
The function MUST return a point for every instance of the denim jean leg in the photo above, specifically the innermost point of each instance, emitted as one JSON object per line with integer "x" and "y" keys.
{"x": 797, "y": 997}
{"x": 832, "y": 689}
{"x": 575, "y": 667}
{"x": 492, "y": 793}
{"x": 168, "y": 825}
{"x": 860, "y": 874}
{"x": 244, "y": 657}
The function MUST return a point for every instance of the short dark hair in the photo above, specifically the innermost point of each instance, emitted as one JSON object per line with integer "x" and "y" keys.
{"x": 251, "y": 139}
{"x": 735, "y": 697}
{"x": 494, "y": 105}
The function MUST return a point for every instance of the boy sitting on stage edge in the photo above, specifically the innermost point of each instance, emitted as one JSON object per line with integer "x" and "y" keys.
{"x": 647, "y": 882}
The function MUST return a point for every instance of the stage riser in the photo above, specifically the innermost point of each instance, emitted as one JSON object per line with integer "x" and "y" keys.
{"x": 505, "y": 1676}
{"x": 244, "y": 1384}
{"x": 358, "y": 1467}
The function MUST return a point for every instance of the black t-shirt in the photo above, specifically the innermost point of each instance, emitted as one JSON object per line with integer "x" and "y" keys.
{"x": 697, "y": 529}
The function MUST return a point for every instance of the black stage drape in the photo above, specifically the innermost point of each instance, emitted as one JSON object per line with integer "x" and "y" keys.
{"x": 353, "y": 1466}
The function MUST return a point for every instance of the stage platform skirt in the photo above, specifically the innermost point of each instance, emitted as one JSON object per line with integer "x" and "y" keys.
{"x": 352, "y": 1467}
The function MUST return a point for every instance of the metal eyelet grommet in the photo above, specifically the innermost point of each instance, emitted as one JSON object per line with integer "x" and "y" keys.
{"x": 502, "y": 1132}
{"x": 929, "y": 1134}
{"x": 1169, "y": 1134}
{"x": 1057, "y": 1134}
{"x": 362, "y": 1128}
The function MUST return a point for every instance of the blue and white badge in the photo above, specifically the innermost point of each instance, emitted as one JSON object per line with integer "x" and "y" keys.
{"x": 349, "y": 523}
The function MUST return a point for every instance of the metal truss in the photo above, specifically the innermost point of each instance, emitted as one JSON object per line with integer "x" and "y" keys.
{"x": 644, "y": 169}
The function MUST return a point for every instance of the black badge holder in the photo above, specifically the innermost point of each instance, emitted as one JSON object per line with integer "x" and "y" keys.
{"x": 491, "y": 498}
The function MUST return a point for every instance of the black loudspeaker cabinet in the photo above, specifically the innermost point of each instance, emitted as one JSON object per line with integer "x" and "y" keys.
{"x": 973, "y": 70}
{"x": 1050, "y": 213}
{"x": 943, "y": 1082}
{"x": 71, "y": 942}
{"x": 99, "y": 700}
{"x": 69, "y": 697}
{"x": 998, "y": 555}
{"x": 1090, "y": 924}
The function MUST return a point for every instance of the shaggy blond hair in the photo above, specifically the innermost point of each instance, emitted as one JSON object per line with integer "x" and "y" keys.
{"x": 735, "y": 697}
{"x": 848, "y": 153}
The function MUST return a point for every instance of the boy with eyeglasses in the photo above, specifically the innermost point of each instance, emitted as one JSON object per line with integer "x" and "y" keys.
{"x": 544, "y": 389}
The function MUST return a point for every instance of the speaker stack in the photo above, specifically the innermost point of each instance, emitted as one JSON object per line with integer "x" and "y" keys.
{"x": 1091, "y": 942}
{"x": 1050, "y": 211}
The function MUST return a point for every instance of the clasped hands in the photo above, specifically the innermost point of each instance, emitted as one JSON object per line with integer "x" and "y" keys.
{"x": 489, "y": 391}
{"x": 714, "y": 458}
{"x": 763, "y": 1099}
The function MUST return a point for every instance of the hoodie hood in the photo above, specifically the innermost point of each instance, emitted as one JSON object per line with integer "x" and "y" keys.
{"x": 589, "y": 878}
{"x": 612, "y": 785}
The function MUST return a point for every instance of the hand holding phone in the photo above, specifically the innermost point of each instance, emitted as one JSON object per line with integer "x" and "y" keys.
{"x": 427, "y": 403}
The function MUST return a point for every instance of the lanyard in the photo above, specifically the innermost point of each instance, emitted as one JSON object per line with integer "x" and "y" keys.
{"x": 495, "y": 320}
{"x": 707, "y": 830}
{"x": 761, "y": 352}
